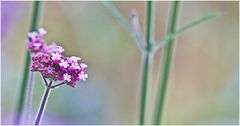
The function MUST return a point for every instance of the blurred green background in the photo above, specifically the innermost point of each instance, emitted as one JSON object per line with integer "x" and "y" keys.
{"x": 203, "y": 86}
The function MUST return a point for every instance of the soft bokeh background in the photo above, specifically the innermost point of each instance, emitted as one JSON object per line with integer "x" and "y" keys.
{"x": 204, "y": 78}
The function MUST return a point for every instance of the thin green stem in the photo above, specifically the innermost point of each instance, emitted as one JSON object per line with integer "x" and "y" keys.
{"x": 122, "y": 21}
{"x": 150, "y": 24}
{"x": 34, "y": 25}
{"x": 147, "y": 66}
{"x": 166, "y": 63}
{"x": 196, "y": 22}
{"x": 117, "y": 14}
{"x": 36, "y": 17}
{"x": 43, "y": 103}
{"x": 146, "y": 73}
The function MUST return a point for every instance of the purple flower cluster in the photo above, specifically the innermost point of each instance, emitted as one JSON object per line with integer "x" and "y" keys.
{"x": 52, "y": 64}
{"x": 35, "y": 43}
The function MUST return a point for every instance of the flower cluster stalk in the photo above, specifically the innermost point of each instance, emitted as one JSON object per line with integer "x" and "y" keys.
{"x": 35, "y": 21}
{"x": 43, "y": 103}
{"x": 166, "y": 63}
{"x": 48, "y": 87}
{"x": 147, "y": 66}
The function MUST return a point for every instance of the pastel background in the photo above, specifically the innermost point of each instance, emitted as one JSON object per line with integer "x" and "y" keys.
{"x": 204, "y": 77}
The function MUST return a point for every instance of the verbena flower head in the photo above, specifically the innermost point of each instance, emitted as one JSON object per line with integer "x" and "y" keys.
{"x": 56, "y": 66}
{"x": 52, "y": 64}
{"x": 35, "y": 43}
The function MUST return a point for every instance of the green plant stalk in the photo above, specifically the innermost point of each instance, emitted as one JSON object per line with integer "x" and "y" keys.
{"x": 122, "y": 21}
{"x": 34, "y": 25}
{"x": 147, "y": 65}
{"x": 150, "y": 24}
{"x": 145, "y": 81}
{"x": 166, "y": 63}
{"x": 196, "y": 22}
{"x": 120, "y": 18}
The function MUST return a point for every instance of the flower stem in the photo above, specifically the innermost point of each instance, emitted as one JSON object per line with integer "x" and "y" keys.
{"x": 147, "y": 66}
{"x": 122, "y": 21}
{"x": 146, "y": 73}
{"x": 57, "y": 85}
{"x": 150, "y": 23}
{"x": 44, "y": 79}
{"x": 29, "y": 99}
{"x": 34, "y": 25}
{"x": 42, "y": 105}
{"x": 180, "y": 30}
{"x": 166, "y": 63}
